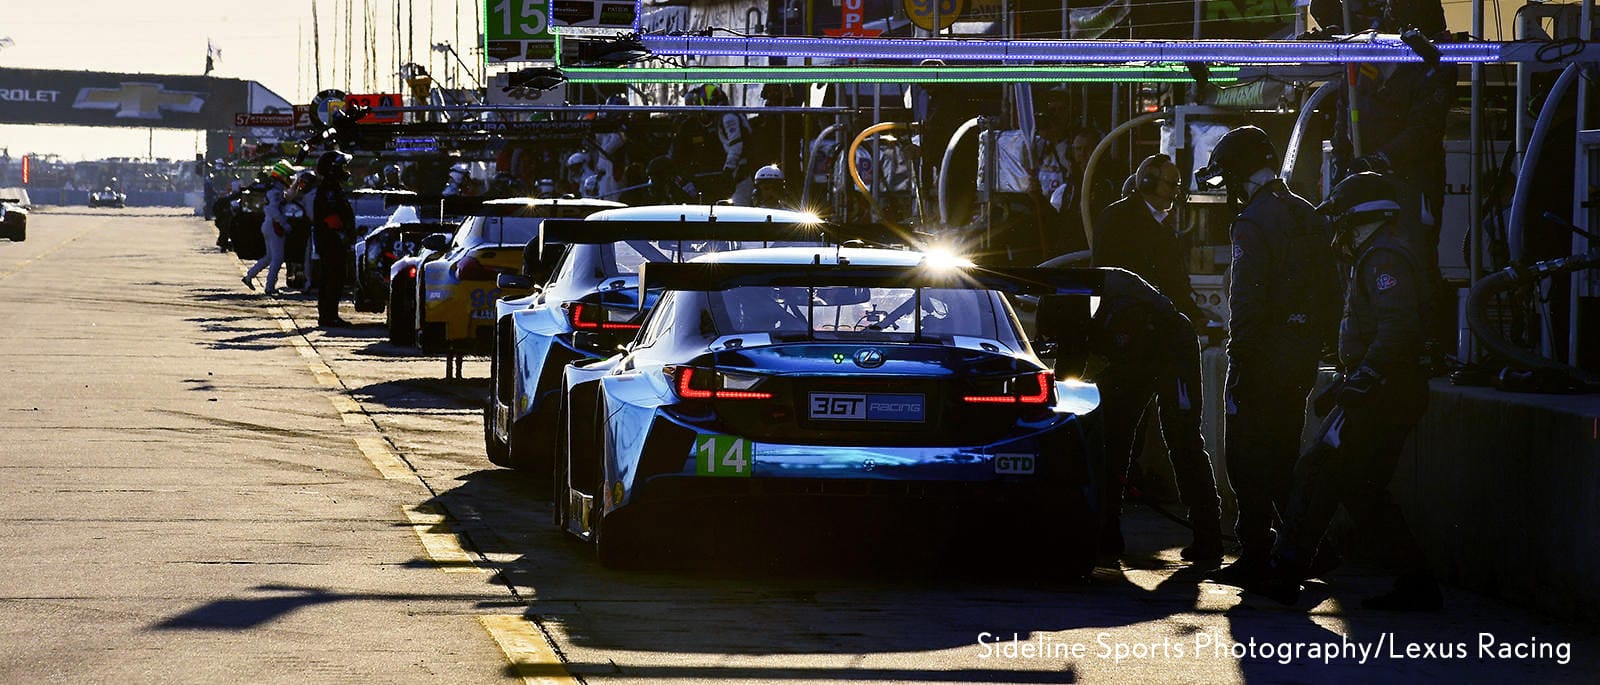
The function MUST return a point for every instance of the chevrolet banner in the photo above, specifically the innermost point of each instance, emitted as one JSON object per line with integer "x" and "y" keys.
{"x": 41, "y": 96}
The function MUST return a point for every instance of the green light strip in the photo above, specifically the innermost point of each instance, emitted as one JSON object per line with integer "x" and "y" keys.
{"x": 1018, "y": 74}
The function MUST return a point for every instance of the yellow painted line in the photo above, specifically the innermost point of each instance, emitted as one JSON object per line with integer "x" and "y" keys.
{"x": 530, "y": 654}
{"x": 319, "y": 369}
{"x": 383, "y": 458}
{"x": 439, "y": 542}
{"x": 24, "y": 263}
{"x": 350, "y": 411}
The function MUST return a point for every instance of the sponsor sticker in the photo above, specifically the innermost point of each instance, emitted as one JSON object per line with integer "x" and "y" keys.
{"x": 1014, "y": 464}
{"x": 835, "y": 406}
{"x": 1387, "y": 281}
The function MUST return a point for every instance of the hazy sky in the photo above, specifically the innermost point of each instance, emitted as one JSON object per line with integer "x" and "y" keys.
{"x": 269, "y": 42}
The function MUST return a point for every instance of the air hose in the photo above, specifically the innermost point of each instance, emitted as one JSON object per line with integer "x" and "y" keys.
{"x": 1511, "y": 278}
{"x": 944, "y": 168}
{"x": 855, "y": 174}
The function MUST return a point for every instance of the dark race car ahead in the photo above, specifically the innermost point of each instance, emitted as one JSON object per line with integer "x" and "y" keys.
{"x": 793, "y": 389}
{"x": 377, "y": 251}
{"x": 590, "y": 304}
{"x": 13, "y": 219}
{"x": 108, "y": 197}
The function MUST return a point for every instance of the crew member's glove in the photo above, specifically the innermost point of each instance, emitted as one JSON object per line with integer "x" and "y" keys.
{"x": 1359, "y": 387}
{"x": 1325, "y": 400}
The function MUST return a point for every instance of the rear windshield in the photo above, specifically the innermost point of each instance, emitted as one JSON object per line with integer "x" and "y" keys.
{"x": 850, "y": 313}
{"x": 510, "y": 230}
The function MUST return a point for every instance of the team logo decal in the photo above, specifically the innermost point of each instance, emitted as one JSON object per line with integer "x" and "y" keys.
{"x": 1386, "y": 281}
{"x": 868, "y": 358}
{"x": 1238, "y": 252}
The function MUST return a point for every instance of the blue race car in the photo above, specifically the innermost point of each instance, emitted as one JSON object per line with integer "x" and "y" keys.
{"x": 590, "y": 305}
{"x": 802, "y": 388}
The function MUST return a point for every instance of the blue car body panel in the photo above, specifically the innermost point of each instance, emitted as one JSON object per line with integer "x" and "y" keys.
{"x": 929, "y": 441}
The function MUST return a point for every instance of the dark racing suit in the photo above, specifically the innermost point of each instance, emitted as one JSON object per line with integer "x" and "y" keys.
{"x": 1385, "y": 393}
{"x": 1283, "y": 305}
{"x": 332, "y": 219}
{"x": 1151, "y": 353}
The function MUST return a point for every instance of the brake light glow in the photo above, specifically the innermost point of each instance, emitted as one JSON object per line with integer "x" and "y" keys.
{"x": 592, "y": 317}
{"x": 411, "y": 271}
{"x": 470, "y": 269}
{"x": 1035, "y": 388}
{"x": 709, "y": 384}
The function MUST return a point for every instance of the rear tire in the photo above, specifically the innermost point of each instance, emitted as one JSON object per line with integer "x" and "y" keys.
{"x": 558, "y": 471}
{"x": 431, "y": 338}
{"x": 401, "y": 309}
{"x": 493, "y": 447}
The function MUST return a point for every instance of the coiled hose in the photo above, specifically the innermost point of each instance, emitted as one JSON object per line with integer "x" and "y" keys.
{"x": 1511, "y": 278}
{"x": 1530, "y": 160}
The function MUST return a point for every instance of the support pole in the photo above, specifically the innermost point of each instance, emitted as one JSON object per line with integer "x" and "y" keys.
{"x": 1580, "y": 193}
{"x": 1474, "y": 181}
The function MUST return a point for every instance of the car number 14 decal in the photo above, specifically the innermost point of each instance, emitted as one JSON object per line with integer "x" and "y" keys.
{"x": 723, "y": 455}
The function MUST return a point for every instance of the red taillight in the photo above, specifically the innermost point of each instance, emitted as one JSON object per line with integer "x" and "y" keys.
{"x": 470, "y": 269}
{"x": 593, "y": 317}
{"x": 411, "y": 271}
{"x": 705, "y": 384}
{"x": 1034, "y": 388}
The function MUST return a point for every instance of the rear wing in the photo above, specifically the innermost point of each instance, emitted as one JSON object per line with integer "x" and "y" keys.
{"x": 440, "y": 205}
{"x": 569, "y": 231}
{"x": 702, "y": 276}
{"x": 391, "y": 198}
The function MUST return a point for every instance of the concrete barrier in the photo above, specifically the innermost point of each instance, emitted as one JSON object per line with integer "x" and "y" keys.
{"x": 1502, "y": 489}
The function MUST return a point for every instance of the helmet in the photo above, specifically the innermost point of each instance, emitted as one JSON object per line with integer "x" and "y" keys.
{"x": 708, "y": 94}
{"x": 590, "y": 186}
{"x": 333, "y": 164}
{"x": 546, "y": 185}
{"x": 303, "y": 181}
{"x": 1360, "y": 198}
{"x": 577, "y": 159}
{"x": 770, "y": 172}
{"x": 281, "y": 171}
{"x": 1238, "y": 154}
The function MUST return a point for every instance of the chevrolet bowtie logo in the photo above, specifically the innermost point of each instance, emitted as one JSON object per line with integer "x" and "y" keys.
{"x": 140, "y": 100}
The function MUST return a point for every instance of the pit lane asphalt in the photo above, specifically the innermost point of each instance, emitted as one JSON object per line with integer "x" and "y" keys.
{"x": 201, "y": 486}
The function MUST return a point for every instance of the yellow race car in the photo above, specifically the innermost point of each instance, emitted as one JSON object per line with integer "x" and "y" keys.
{"x": 455, "y": 285}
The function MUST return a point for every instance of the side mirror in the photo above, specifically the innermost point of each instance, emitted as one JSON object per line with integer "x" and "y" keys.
{"x": 438, "y": 242}
{"x": 514, "y": 282}
{"x": 588, "y": 340}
